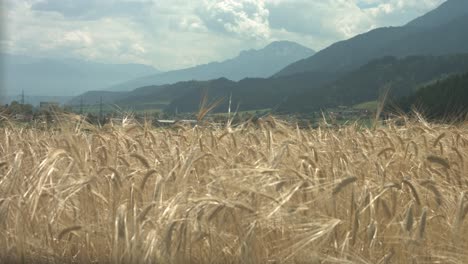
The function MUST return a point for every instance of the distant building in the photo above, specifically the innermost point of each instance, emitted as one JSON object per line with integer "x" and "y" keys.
{"x": 187, "y": 121}
{"x": 23, "y": 118}
{"x": 162, "y": 122}
{"x": 48, "y": 106}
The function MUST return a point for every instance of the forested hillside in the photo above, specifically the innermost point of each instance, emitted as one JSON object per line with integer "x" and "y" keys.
{"x": 439, "y": 32}
{"x": 308, "y": 92}
{"x": 401, "y": 76}
{"x": 444, "y": 99}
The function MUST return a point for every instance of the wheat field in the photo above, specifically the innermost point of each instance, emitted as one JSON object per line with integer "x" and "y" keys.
{"x": 252, "y": 193}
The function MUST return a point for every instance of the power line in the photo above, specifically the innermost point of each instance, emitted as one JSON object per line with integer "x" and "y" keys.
{"x": 100, "y": 110}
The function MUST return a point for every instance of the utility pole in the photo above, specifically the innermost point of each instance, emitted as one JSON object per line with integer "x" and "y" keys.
{"x": 100, "y": 110}
{"x": 81, "y": 105}
{"x": 229, "y": 108}
{"x": 22, "y": 97}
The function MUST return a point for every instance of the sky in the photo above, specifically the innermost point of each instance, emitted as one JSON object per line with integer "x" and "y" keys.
{"x": 174, "y": 34}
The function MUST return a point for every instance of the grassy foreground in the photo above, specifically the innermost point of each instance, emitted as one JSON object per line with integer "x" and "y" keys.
{"x": 268, "y": 193}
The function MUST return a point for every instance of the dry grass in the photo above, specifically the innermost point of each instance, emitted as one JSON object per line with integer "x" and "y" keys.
{"x": 270, "y": 193}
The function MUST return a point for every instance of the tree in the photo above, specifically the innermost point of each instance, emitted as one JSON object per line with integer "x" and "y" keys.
{"x": 17, "y": 108}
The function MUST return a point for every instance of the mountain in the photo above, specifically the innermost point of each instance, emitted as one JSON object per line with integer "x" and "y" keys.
{"x": 94, "y": 97}
{"x": 298, "y": 93}
{"x": 308, "y": 92}
{"x": 304, "y": 92}
{"x": 401, "y": 76}
{"x": 442, "y": 15}
{"x": 444, "y": 99}
{"x": 251, "y": 63}
{"x": 64, "y": 77}
{"x": 441, "y": 31}
{"x": 250, "y": 93}
{"x": 148, "y": 97}
{"x": 346, "y": 73}
{"x": 247, "y": 94}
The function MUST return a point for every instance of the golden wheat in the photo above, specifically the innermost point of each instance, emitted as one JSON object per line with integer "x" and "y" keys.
{"x": 267, "y": 192}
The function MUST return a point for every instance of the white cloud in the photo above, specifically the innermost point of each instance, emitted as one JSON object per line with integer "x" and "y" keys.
{"x": 399, "y": 10}
{"x": 77, "y": 38}
{"x": 179, "y": 33}
{"x": 50, "y": 34}
{"x": 245, "y": 18}
{"x": 94, "y": 9}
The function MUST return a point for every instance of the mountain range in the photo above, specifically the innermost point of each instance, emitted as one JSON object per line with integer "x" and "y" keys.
{"x": 248, "y": 64}
{"x": 304, "y": 92}
{"x": 441, "y": 31}
{"x": 64, "y": 77}
{"x": 346, "y": 73}
{"x": 315, "y": 91}
{"x": 400, "y": 76}
{"x": 349, "y": 72}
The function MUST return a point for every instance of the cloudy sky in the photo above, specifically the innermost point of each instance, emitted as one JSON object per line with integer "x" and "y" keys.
{"x": 171, "y": 34}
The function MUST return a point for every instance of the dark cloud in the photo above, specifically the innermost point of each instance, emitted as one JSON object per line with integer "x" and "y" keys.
{"x": 289, "y": 16}
{"x": 94, "y": 9}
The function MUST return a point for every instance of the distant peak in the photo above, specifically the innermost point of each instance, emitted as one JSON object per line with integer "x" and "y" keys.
{"x": 284, "y": 47}
{"x": 222, "y": 79}
{"x": 283, "y": 44}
